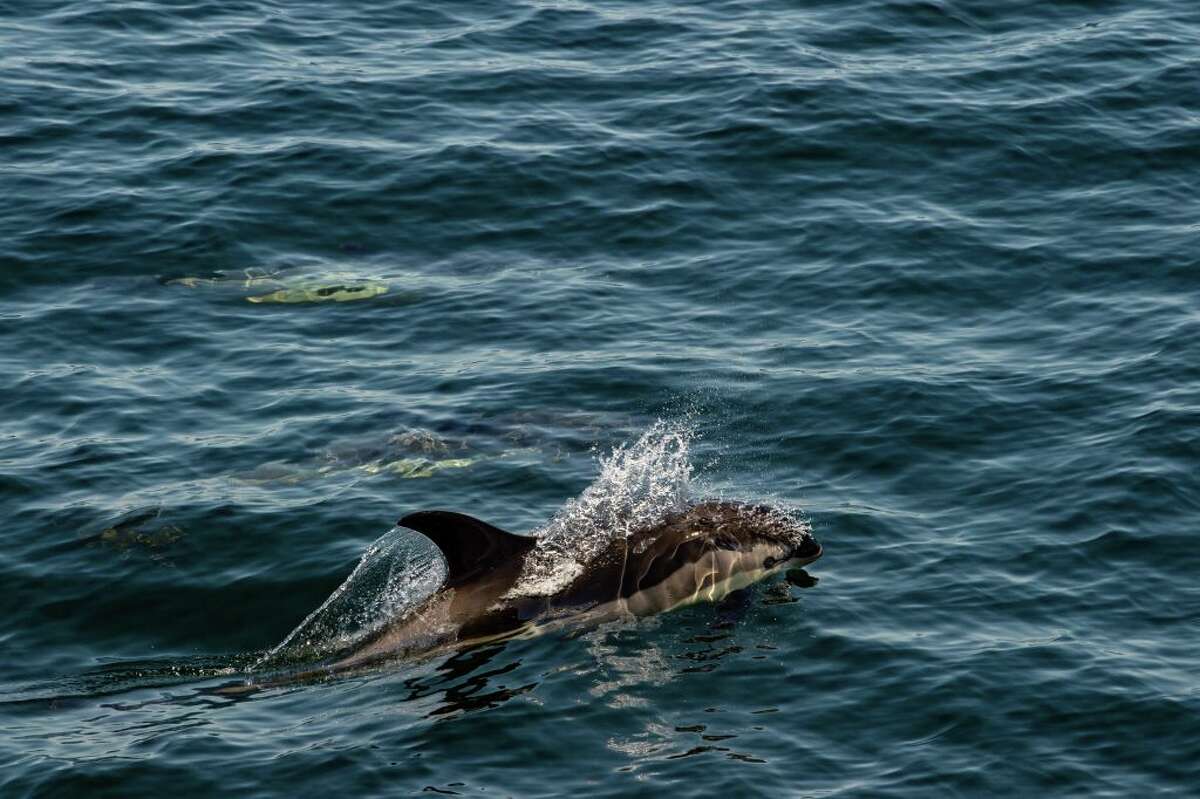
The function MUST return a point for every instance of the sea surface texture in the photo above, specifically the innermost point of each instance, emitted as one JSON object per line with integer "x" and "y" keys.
{"x": 925, "y": 273}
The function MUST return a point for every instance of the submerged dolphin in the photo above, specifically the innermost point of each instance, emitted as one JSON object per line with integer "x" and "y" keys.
{"x": 701, "y": 554}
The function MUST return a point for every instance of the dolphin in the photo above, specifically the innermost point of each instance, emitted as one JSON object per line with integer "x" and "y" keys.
{"x": 702, "y": 553}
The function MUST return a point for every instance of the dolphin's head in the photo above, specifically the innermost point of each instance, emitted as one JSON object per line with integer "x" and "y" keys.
{"x": 764, "y": 537}
{"x": 750, "y": 540}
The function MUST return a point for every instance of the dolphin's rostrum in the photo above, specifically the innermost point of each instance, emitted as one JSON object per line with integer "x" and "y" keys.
{"x": 700, "y": 554}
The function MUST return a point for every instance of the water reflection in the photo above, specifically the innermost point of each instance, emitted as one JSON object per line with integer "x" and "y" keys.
{"x": 725, "y": 733}
{"x": 475, "y": 691}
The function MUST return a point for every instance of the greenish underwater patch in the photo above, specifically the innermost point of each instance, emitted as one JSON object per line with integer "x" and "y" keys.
{"x": 277, "y": 287}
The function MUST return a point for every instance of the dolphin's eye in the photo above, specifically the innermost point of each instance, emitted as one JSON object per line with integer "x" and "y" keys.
{"x": 769, "y": 562}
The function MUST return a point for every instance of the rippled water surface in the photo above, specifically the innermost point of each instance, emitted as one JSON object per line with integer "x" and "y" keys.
{"x": 274, "y": 274}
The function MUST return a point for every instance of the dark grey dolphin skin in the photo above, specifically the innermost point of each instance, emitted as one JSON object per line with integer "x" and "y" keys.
{"x": 701, "y": 554}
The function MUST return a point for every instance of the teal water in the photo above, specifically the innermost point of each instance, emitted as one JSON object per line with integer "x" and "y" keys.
{"x": 274, "y": 274}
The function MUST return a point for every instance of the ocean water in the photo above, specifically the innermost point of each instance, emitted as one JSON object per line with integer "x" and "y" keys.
{"x": 925, "y": 272}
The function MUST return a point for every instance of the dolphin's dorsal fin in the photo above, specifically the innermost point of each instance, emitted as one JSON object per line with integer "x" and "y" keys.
{"x": 470, "y": 547}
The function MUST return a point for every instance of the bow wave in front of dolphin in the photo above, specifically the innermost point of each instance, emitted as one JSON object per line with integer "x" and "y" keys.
{"x": 633, "y": 544}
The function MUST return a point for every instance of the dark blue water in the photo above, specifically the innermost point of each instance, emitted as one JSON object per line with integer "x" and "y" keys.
{"x": 274, "y": 274}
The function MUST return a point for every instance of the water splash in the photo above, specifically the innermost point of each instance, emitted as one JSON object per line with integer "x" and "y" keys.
{"x": 639, "y": 484}
{"x": 392, "y": 576}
